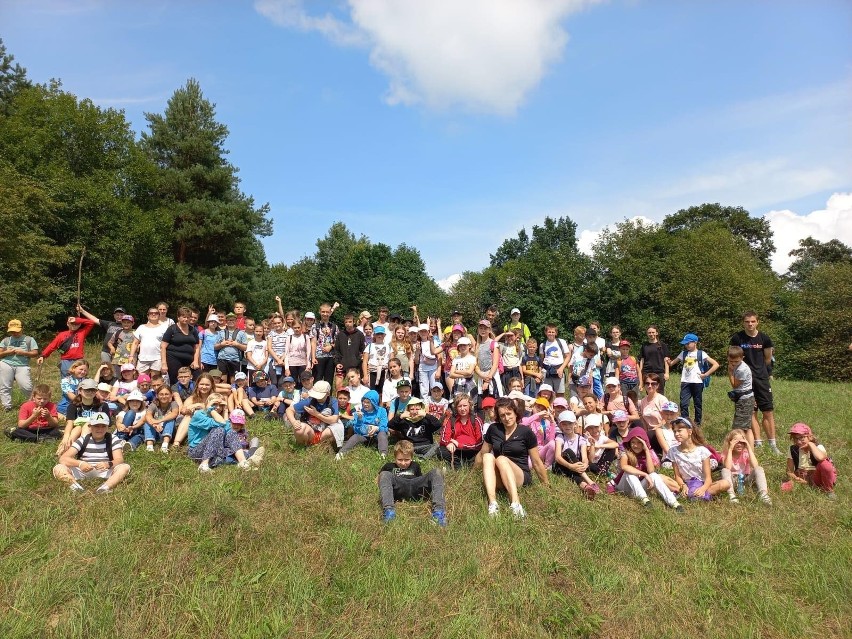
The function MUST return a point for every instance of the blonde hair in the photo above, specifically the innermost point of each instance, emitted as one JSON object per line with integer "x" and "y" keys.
{"x": 404, "y": 448}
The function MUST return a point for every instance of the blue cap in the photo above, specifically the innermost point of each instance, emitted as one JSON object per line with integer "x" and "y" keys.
{"x": 689, "y": 337}
{"x": 288, "y": 379}
{"x": 379, "y": 330}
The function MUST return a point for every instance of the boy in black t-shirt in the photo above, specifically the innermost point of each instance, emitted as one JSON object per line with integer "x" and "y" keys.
{"x": 402, "y": 479}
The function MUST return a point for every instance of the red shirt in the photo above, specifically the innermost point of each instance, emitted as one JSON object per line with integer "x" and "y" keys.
{"x": 78, "y": 341}
{"x": 468, "y": 434}
{"x": 28, "y": 408}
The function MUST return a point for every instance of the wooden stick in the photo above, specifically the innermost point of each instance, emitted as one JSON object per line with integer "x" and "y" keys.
{"x": 80, "y": 274}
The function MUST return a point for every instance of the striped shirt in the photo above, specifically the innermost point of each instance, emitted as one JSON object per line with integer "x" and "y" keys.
{"x": 278, "y": 341}
{"x": 96, "y": 451}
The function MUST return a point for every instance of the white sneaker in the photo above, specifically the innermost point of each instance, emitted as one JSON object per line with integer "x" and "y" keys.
{"x": 493, "y": 509}
{"x": 338, "y": 457}
{"x": 102, "y": 489}
{"x": 257, "y": 457}
{"x": 518, "y": 510}
{"x": 164, "y": 449}
{"x": 204, "y": 468}
{"x": 244, "y": 465}
{"x": 150, "y": 448}
{"x": 76, "y": 488}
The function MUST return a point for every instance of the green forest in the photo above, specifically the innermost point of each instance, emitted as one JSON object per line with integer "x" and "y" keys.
{"x": 161, "y": 217}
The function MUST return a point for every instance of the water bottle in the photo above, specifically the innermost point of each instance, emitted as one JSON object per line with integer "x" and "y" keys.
{"x": 740, "y": 483}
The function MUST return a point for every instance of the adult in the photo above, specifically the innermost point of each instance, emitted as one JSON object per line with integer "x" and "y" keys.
{"x": 652, "y": 359}
{"x": 145, "y": 350}
{"x": 181, "y": 345}
{"x": 16, "y": 350}
{"x": 651, "y": 407}
{"x": 507, "y": 450}
{"x": 491, "y": 315}
{"x": 758, "y": 349}
{"x": 323, "y": 334}
{"x": 163, "y": 312}
{"x": 461, "y": 434}
{"x": 71, "y": 344}
{"x": 516, "y": 323}
{"x": 110, "y": 328}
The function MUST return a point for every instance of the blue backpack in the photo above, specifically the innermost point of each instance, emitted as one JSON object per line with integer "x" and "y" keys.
{"x": 703, "y": 365}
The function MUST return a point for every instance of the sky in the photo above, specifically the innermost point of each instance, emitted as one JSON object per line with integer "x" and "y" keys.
{"x": 449, "y": 125}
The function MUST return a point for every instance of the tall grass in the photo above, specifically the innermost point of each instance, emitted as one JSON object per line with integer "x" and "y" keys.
{"x": 298, "y": 549}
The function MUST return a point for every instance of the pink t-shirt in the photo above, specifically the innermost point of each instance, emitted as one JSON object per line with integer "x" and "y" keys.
{"x": 650, "y": 410}
{"x": 741, "y": 464}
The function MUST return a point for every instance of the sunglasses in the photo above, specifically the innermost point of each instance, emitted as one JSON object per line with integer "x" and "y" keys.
{"x": 652, "y": 383}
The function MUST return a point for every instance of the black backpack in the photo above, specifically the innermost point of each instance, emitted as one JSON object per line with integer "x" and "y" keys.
{"x": 88, "y": 438}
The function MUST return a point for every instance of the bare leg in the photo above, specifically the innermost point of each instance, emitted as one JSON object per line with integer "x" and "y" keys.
{"x": 510, "y": 476}
{"x": 118, "y": 475}
{"x": 489, "y": 476}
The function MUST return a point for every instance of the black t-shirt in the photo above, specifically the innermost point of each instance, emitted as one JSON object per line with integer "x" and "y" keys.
{"x": 111, "y": 329}
{"x": 418, "y": 433}
{"x": 517, "y": 449}
{"x": 753, "y": 351}
{"x": 412, "y": 471}
{"x": 74, "y": 410}
{"x": 653, "y": 357}
{"x": 178, "y": 344}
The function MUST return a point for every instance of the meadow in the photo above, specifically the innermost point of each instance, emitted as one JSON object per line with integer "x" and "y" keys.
{"x": 298, "y": 549}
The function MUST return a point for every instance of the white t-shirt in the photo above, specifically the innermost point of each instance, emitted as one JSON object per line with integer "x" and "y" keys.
{"x": 552, "y": 352}
{"x": 691, "y": 372}
{"x": 150, "y": 338}
{"x": 378, "y": 356}
{"x": 356, "y": 394}
{"x": 257, "y": 349}
{"x": 690, "y": 464}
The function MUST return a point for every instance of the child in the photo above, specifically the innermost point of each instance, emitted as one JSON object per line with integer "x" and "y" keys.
{"x": 541, "y": 423}
{"x": 130, "y": 422}
{"x": 488, "y": 414}
{"x": 628, "y": 369}
{"x": 638, "y": 471}
{"x": 125, "y": 384}
{"x": 306, "y": 379}
{"x": 251, "y": 446}
{"x": 184, "y": 387}
{"x": 664, "y": 433}
{"x": 399, "y": 403}
{"x": 239, "y": 394}
{"x": 160, "y": 420}
{"x": 211, "y": 439}
{"x": 344, "y": 406}
{"x": 437, "y": 404}
{"x": 808, "y": 463}
{"x": 370, "y": 424}
{"x": 143, "y": 385}
{"x": 94, "y": 455}
{"x": 741, "y": 466}
{"x": 741, "y": 393}
{"x": 220, "y": 385}
{"x": 402, "y": 479}
{"x": 119, "y": 344}
{"x": 691, "y": 461}
{"x": 531, "y": 363}
{"x": 38, "y": 418}
{"x": 463, "y": 368}
{"x": 286, "y": 397}
{"x": 571, "y": 455}
{"x": 698, "y": 366}
{"x": 263, "y": 396}
{"x": 257, "y": 351}
{"x": 70, "y": 384}
{"x": 374, "y": 361}
{"x": 393, "y": 378}
{"x": 601, "y": 451}
{"x": 414, "y": 425}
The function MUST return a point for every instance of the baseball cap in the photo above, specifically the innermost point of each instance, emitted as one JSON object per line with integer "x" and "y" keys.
{"x": 396, "y": 317}
{"x": 799, "y": 428}
{"x": 488, "y": 402}
{"x": 436, "y": 385}
{"x": 542, "y": 401}
{"x": 231, "y": 316}
{"x": 310, "y": 315}
{"x": 585, "y": 380}
{"x": 144, "y": 377}
{"x": 88, "y": 384}
{"x": 423, "y": 327}
{"x": 119, "y": 309}
{"x": 414, "y": 329}
{"x": 99, "y": 419}
{"x": 213, "y": 318}
{"x": 669, "y": 407}
{"x": 545, "y": 387}
{"x": 15, "y": 325}
{"x": 458, "y": 327}
{"x": 515, "y": 310}
{"x": 378, "y": 330}
{"x": 414, "y": 400}
{"x": 611, "y": 381}
{"x": 260, "y": 376}
{"x": 624, "y": 342}
{"x": 238, "y": 416}
{"x": 215, "y": 373}
{"x": 127, "y": 367}
{"x": 485, "y": 322}
{"x": 103, "y": 386}
{"x": 689, "y": 337}
{"x": 620, "y": 416}
{"x": 567, "y": 416}
{"x": 403, "y": 383}
{"x": 320, "y": 390}
{"x": 288, "y": 379}
{"x": 240, "y": 375}
{"x": 345, "y": 390}
{"x": 593, "y": 419}
{"x": 463, "y": 340}
{"x": 456, "y": 312}
{"x": 560, "y": 402}
{"x": 137, "y": 395}
{"x": 126, "y": 318}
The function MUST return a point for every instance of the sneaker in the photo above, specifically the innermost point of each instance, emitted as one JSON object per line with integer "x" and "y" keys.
{"x": 150, "y": 448}
{"x": 125, "y": 444}
{"x": 766, "y": 499}
{"x": 133, "y": 446}
{"x": 518, "y": 510}
{"x": 590, "y": 490}
{"x": 204, "y": 468}
{"x": 733, "y": 500}
{"x": 831, "y": 495}
{"x": 164, "y": 449}
{"x": 388, "y": 515}
{"x": 775, "y": 450}
{"x": 244, "y": 465}
{"x": 338, "y": 457}
{"x": 257, "y": 457}
{"x": 254, "y": 443}
{"x": 646, "y": 503}
{"x": 103, "y": 489}
{"x": 786, "y": 486}
{"x": 610, "y": 488}
{"x": 493, "y": 509}
{"x": 667, "y": 464}
{"x": 76, "y": 488}
{"x": 678, "y": 509}
{"x": 758, "y": 443}
{"x": 440, "y": 518}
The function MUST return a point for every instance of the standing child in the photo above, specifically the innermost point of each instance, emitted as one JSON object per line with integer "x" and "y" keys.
{"x": 741, "y": 393}
{"x": 94, "y": 455}
{"x": 741, "y": 467}
{"x": 638, "y": 471}
{"x": 808, "y": 462}
{"x": 402, "y": 479}
{"x": 531, "y": 362}
{"x": 691, "y": 460}
{"x": 698, "y": 366}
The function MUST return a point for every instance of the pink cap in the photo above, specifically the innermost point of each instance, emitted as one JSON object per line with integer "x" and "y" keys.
{"x": 800, "y": 429}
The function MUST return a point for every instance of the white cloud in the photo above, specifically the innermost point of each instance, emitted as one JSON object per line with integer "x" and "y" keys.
{"x": 448, "y": 282}
{"x": 483, "y": 55}
{"x": 832, "y": 222}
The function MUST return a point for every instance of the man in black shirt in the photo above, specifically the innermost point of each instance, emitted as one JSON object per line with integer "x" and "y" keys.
{"x": 652, "y": 359}
{"x": 757, "y": 354}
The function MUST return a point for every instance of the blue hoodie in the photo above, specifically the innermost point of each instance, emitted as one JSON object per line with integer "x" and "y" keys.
{"x": 378, "y": 416}
{"x": 200, "y": 426}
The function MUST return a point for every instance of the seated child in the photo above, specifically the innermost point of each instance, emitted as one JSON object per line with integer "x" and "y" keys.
{"x": 403, "y": 479}
{"x": 160, "y": 419}
{"x": 129, "y": 423}
{"x": 691, "y": 461}
{"x": 306, "y": 379}
{"x": 143, "y": 385}
{"x": 184, "y": 387}
{"x": 571, "y": 455}
{"x": 251, "y": 446}
{"x": 286, "y": 396}
{"x": 220, "y": 384}
{"x": 263, "y": 396}
{"x": 239, "y": 394}
{"x": 212, "y": 440}
{"x": 402, "y": 395}
{"x": 541, "y": 424}
{"x": 602, "y": 449}
{"x": 664, "y": 432}
{"x": 638, "y": 471}
{"x": 370, "y": 425}
{"x": 126, "y": 383}
{"x": 414, "y": 425}
{"x": 808, "y": 463}
{"x": 741, "y": 467}
{"x": 37, "y": 418}
{"x": 488, "y": 414}
{"x": 94, "y": 455}
{"x": 436, "y": 404}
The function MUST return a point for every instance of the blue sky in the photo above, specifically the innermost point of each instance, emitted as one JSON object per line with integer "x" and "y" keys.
{"x": 448, "y": 125}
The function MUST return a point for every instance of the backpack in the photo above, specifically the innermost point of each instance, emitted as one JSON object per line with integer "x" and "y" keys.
{"x": 496, "y": 352}
{"x": 107, "y": 440}
{"x": 551, "y": 370}
{"x": 703, "y": 364}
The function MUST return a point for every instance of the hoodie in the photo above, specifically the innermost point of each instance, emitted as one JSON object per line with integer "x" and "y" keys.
{"x": 377, "y": 416}
{"x": 200, "y": 426}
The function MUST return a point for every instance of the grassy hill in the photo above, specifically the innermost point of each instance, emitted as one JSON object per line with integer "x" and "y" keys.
{"x": 298, "y": 549}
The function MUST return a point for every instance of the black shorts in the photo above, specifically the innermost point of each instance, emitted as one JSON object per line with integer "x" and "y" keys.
{"x": 762, "y": 394}
{"x": 229, "y": 368}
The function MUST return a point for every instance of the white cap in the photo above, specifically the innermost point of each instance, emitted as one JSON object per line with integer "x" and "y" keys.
{"x": 213, "y": 318}
{"x": 515, "y": 310}
{"x": 463, "y": 340}
{"x": 310, "y": 315}
{"x": 611, "y": 381}
{"x": 99, "y": 418}
{"x": 423, "y": 327}
{"x": 592, "y": 419}
{"x": 567, "y": 416}
{"x": 137, "y": 395}
{"x": 545, "y": 387}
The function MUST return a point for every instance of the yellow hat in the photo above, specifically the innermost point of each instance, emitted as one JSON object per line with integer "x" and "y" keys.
{"x": 15, "y": 325}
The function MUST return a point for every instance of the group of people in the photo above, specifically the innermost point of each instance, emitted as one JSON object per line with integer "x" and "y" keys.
{"x": 590, "y": 409}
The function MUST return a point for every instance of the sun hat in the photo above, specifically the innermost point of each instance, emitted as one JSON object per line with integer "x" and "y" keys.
{"x": 545, "y": 387}
{"x": 310, "y": 315}
{"x": 515, "y": 310}
{"x": 260, "y": 376}
{"x": 423, "y": 327}
{"x": 592, "y": 419}
{"x": 320, "y": 390}
{"x": 213, "y": 318}
{"x": 288, "y": 380}
{"x": 458, "y": 327}
{"x": 413, "y": 329}
{"x": 119, "y": 309}
{"x": 436, "y": 385}
{"x": 231, "y": 316}
{"x": 240, "y": 375}
{"x": 403, "y": 383}
{"x": 560, "y": 402}
{"x": 455, "y": 312}
{"x": 543, "y": 401}
{"x": 800, "y": 428}
{"x": 624, "y": 342}
{"x": 485, "y": 322}
{"x": 126, "y": 318}
{"x": 620, "y": 416}
{"x": 414, "y": 401}
{"x": 567, "y": 416}
{"x": 238, "y": 416}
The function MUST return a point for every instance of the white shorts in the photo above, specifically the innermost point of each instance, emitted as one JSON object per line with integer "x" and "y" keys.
{"x": 92, "y": 474}
{"x": 151, "y": 365}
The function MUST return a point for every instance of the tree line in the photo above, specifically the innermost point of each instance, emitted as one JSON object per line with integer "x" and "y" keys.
{"x": 162, "y": 217}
